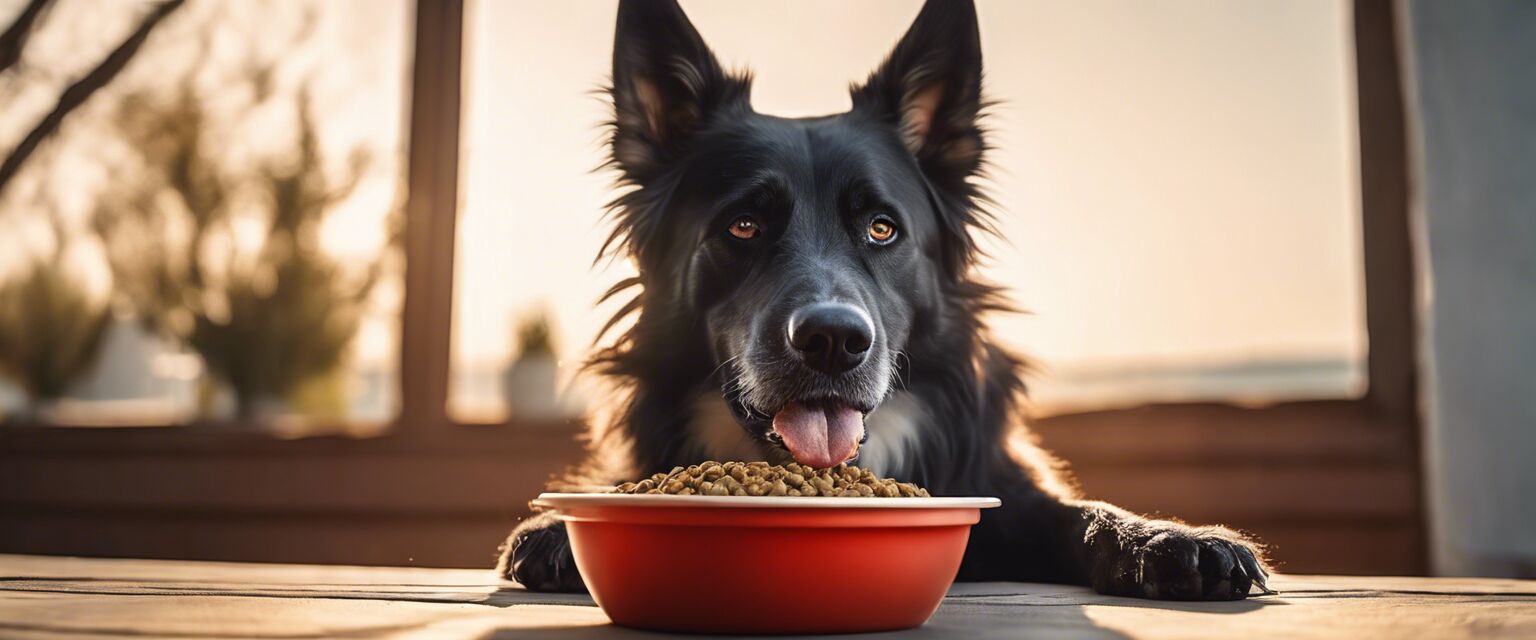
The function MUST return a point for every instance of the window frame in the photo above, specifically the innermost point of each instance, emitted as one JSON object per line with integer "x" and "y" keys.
{"x": 1171, "y": 457}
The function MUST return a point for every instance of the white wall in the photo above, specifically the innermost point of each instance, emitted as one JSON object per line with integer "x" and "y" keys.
{"x": 1473, "y": 97}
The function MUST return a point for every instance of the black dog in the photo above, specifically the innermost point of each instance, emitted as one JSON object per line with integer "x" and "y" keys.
{"x": 806, "y": 286}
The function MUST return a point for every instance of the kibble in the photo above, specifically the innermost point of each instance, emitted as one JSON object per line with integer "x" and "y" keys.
{"x": 762, "y": 479}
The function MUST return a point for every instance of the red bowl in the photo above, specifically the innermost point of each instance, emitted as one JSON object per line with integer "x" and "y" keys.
{"x": 717, "y": 564}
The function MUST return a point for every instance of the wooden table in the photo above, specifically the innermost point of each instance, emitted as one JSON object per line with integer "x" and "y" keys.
{"x": 49, "y": 597}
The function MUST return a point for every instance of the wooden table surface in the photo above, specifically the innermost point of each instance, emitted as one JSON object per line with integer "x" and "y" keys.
{"x": 49, "y": 597}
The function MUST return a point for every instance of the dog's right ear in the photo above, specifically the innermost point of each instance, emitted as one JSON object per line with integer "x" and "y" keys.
{"x": 666, "y": 85}
{"x": 929, "y": 89}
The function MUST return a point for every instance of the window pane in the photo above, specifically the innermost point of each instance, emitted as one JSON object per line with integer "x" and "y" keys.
{"x": 530, "y": 225}
{"x": 1175, "y": 183}
{"x": 1181, "y": 193}
{"x": 208, "y": 237}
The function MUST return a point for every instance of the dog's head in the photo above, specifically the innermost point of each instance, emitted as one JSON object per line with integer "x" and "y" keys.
{"x": 804, "y": 256}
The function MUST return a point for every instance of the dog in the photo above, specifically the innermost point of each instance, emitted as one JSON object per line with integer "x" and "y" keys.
{"x": 806, "y": 291}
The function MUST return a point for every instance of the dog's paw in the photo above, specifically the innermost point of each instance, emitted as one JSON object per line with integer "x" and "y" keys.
{"x": 538, "y": 556}
{"x": 1167, "y": 561}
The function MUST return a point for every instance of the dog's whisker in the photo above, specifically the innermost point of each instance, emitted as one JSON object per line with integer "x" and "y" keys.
{"x": 723, "y": 364}
{"x": 904, "y": 363}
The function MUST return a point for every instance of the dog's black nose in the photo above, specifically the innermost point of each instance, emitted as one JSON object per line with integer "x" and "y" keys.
{"x": 831, "y": 337}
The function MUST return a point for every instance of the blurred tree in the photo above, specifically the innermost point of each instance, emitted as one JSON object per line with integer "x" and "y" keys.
{"x": 266, "y": 322}
{"x": 14, "y": 40}
{"x": 50, "y": 329}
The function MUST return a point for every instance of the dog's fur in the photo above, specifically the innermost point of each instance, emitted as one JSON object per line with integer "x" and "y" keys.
{"x": 706, "y": 361}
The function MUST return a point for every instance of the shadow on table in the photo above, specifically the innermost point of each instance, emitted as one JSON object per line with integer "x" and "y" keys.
{"x": 966, "y": 616}
{"x": 1252, "y": 603}
{"x": 1073, "y": 623}
{"x": 511, "y": 596}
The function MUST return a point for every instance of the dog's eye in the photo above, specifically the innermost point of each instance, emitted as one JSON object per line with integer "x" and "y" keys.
{"x": 745, "y": 228}
{"x": 882, "y": 230}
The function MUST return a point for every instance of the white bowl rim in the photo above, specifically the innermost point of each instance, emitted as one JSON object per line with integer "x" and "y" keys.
{"x": 558, "y": 500}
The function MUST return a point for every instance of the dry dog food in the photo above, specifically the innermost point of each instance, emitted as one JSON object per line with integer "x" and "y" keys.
{"x": 762, "y": 479}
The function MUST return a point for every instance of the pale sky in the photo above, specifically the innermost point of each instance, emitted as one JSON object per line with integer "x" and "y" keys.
{"x": 1176, "y": 180}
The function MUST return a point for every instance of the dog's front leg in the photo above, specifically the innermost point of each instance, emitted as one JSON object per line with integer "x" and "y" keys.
{"x": 1039, "y": 537}
{"x": 1129, "y": 555}
{"x": 538, "y": 556}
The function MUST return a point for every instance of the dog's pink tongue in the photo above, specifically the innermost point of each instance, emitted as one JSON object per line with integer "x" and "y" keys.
{"x": 820, "y": 435}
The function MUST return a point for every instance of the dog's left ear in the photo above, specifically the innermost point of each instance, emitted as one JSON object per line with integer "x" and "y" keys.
{"x": 930, "y": 89}
{"x": 667, "y": 84}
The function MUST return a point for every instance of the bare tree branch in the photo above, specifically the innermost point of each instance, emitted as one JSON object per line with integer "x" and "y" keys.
{"x": 82, "y": 89}
{"x": 15, "y": 37}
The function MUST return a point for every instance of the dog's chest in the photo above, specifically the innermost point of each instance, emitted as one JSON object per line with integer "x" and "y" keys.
{"x": 895, "y": 435}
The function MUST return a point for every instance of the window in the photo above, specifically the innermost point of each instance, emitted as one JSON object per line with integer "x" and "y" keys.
{"x": 1240, "y": 152}
{"x": 214, "y": 225}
